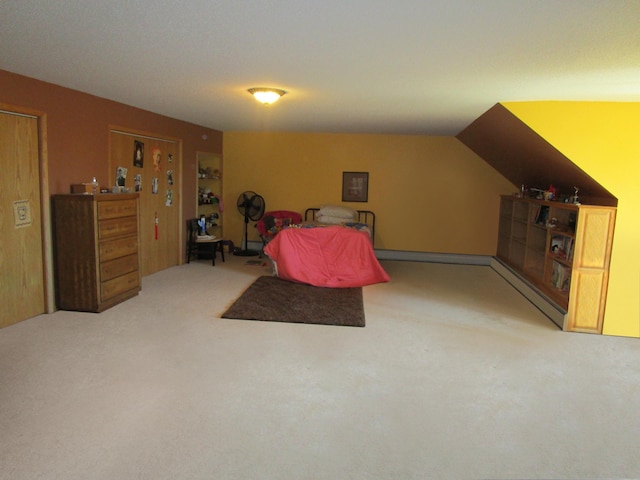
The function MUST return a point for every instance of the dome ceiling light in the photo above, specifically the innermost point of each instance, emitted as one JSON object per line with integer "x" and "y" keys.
{"x": 266, "y": 95}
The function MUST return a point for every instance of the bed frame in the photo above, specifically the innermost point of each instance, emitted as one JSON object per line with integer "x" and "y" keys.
{"x": 364, "y": 216}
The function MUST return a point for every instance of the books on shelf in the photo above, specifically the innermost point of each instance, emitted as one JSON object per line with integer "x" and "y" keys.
{"x": 556, "y": 245}
{"x": 562, "y": 247}
{"x": 561, "y": 277}
{"x": 542, "y": 214}
{"x": 569, "y": 244}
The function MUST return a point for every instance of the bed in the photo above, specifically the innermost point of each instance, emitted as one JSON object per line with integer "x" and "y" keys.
{"x": 335, "y": 254}
{"x": 361, "y": 219}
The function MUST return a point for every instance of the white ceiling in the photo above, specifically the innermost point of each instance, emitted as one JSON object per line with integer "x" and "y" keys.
{"x": 360, "y": 66}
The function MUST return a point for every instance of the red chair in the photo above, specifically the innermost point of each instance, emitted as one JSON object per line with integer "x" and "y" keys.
{"x": 272, "y": 222}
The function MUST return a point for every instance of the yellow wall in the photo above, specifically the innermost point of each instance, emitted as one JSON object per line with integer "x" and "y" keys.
{"x": 602, "y": 139}
{"x": 430, "y": 194}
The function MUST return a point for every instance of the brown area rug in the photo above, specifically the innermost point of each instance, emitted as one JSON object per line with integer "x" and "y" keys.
{"x": 272, "y": 299}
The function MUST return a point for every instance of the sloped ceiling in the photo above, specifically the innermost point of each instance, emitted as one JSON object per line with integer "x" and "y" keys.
{"x": 524, "y": 157}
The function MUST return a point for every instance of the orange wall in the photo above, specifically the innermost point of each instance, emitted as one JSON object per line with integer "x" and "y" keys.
{"x": 430, "y": 194}
{"x": 77, "y": 133}
{"x": 602, "y": 139}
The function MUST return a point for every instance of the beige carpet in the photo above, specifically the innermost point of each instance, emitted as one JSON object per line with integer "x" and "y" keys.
{"x": 455, "y": 376}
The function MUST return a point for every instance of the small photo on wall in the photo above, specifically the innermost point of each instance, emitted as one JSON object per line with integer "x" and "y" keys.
{"x": 138, "y": 154}
{"x": 169, "y": 198}
{"x": 121, "y": 176}
{"x": 154, "y": 185}
{"x": 170, "y": 177}
{"x": 156, "y": 154}
{"x": 137, "y": 183}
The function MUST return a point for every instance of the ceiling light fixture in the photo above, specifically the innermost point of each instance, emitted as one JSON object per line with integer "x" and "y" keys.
{"x": 266, "y": 95}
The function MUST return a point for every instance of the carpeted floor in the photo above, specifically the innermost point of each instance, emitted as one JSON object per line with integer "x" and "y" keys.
{"x": 456, "y": 376}
{"x": 276, "y": 300}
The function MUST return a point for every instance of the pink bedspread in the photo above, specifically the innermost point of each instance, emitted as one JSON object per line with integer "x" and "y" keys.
{"x": 333, "y": 256}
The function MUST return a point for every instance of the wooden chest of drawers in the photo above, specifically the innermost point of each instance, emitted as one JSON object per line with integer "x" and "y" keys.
{"x": 97, "y": 260}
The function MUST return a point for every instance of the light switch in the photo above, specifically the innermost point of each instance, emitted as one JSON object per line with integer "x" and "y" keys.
{"x": 22, "y": 213}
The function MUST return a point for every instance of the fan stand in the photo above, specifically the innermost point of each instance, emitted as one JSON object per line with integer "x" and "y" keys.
{"x": 246, "y": 252}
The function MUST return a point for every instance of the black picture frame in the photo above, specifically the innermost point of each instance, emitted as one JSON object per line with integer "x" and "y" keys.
{"x": 355, "y": 186}
{"x": 138, "y": 154}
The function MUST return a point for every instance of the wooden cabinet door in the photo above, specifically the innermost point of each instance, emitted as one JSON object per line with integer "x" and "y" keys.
{"x": 21, "y": 260}
{"x": 590, "y": 274}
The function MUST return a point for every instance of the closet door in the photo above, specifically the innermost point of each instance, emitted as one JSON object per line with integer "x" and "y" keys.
{"x": 21, "y": 257}
{"x": 154, "y": 170}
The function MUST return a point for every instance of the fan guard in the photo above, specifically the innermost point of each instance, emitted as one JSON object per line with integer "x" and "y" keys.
{"x": 251, "y": 207}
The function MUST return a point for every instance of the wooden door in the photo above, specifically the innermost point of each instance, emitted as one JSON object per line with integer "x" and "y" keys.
{"x": 21, "y": 259}
{"x": 153, "y": 169}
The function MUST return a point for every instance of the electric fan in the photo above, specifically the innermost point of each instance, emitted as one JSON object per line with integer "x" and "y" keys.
{"x": 251, "y": 206}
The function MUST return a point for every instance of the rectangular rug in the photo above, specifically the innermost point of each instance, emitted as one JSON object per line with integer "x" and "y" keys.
{"x": 272, "y": 299}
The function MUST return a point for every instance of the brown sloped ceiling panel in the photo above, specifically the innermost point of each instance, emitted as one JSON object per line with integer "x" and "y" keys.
{"x": 524, "y": 157}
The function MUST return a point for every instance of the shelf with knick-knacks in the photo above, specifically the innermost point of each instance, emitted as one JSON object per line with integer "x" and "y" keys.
{"x": 563, "y": 250}
{"x": 210, "y": 191}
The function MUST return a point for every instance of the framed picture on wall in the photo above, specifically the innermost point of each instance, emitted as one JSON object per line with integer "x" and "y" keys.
{"x": 355, "y": 186}
{"x": 138, "y": 154}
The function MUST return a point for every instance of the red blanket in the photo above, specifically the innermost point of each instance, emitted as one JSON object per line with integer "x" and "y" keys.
{"x": 334, "y": 256}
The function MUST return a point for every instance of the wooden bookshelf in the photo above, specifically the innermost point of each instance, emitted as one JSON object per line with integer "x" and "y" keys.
{"x": 210, "y": 183}
{"x": 563, "y": 250}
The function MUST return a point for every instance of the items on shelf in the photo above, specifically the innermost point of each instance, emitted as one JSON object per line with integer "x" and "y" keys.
{"x": 561, "y": 277}
{"x": 206, "y": 196}
{"x": 210, "y": 193}
{"x": 562, "y": 247}
{"x": 549, "y": 194}
{"x": 563, "y": 250}
{"x": 542, "y": 215}
{"x": 209, "y": 172}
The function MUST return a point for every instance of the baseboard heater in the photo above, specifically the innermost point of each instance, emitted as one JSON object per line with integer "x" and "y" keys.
{"x": 556, "y": 314}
